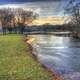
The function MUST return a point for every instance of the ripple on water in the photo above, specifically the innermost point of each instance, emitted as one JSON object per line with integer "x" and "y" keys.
{"x": 72, "y": 76}
{"x": 61, "y": 54}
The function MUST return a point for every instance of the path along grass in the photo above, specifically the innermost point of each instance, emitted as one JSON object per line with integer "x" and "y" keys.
{"x": 16, "y": 63}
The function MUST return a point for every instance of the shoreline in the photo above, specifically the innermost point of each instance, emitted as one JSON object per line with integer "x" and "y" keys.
{"x": 56, "y": 76}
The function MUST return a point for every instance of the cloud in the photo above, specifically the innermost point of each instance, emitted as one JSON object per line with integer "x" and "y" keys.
{"x": 7, "y": 1}
{"x": 44, "y": 8}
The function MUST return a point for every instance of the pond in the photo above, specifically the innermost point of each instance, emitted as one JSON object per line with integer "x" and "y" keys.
{"x": 59, "y": 53}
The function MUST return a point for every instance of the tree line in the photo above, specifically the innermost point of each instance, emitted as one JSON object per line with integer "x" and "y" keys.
{"x": 15, "y": 20}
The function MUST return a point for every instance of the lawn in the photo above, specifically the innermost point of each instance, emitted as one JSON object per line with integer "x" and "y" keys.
{"x": 16, "y": 63}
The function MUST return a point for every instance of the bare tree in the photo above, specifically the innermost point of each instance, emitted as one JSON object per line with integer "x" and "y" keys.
{"x": 7, "y": 18}
{"x": 26, "y": 17}
{"x": 74, "y": 11}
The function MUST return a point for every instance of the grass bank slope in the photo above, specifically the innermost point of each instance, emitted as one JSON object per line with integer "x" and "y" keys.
{"x": 16, "y": 63}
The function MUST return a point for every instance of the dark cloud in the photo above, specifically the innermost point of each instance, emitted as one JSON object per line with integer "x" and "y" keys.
{"x": 34, "y": 0}
{"x": 6, "y": 1}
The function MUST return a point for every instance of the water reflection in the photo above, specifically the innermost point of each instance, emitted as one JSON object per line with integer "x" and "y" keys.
{"x": 61, "y": 54}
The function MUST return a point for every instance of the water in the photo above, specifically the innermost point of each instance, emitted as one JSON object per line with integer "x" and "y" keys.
{"x": 60, "y": 54}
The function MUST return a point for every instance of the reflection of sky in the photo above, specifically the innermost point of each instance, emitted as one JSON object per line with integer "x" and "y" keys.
{"x": 44, "y": 8}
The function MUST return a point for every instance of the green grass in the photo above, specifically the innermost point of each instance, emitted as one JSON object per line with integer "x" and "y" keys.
{"x": 16, "y": 63}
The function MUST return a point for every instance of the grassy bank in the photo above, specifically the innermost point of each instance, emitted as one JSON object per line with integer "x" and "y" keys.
{"x": 16, "y": 63}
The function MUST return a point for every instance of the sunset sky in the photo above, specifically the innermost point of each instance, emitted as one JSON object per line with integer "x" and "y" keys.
{"x": 45, "y": 8}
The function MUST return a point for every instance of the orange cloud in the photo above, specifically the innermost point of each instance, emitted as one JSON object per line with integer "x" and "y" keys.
{"x": 50, "y": 20}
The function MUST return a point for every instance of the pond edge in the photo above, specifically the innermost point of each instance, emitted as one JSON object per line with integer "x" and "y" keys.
{"x": 56, "y": 76}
